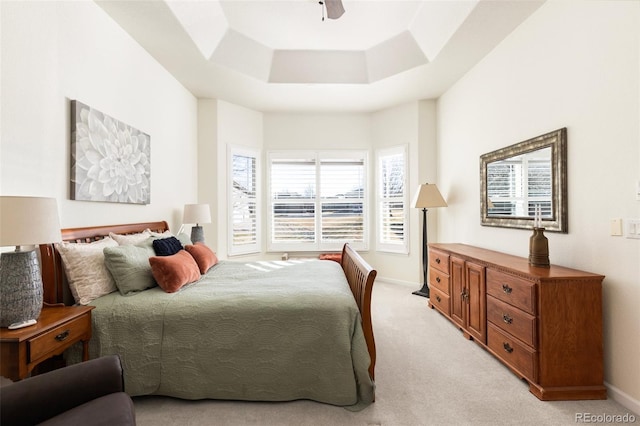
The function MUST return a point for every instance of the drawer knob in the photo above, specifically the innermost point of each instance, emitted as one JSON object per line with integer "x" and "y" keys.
{"x": 506, "y": 289}
{"x": 437, "y": 279}
{"x": 438, "y": 299}
{"x": 62, "y": 336}
{"x": 507, "y": 347}
{"x": 507, "y": 319}
{"x": 438, "y": 260}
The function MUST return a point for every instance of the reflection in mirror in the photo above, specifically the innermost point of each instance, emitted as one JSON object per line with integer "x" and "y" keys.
{"x": 516, "y": 185}
{"x": 524, "y": 180}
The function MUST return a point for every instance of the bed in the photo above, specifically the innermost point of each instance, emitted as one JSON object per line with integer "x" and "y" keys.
{"x": 260, "y": 331}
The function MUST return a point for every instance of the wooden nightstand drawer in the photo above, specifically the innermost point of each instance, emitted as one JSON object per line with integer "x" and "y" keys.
{"x": 59, "y": 338}
{"x": 58, "y": 327}
{"x": 440, "y": 301}
{"x": 439, "y": 280}
{"x": 512, "y": 290}
{"x": 512, "y": 320}
{"x": 439, "y": 260}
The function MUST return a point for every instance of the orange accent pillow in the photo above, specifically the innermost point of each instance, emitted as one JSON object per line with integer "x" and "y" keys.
{"x": 204, "y": 256}
{"x": 175, "y": 271}
{"x": 336, "y": 257}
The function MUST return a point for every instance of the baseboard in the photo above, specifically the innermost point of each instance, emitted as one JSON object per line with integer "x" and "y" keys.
{"x": 623, "y": 399}
{"x": 414, "y": 285}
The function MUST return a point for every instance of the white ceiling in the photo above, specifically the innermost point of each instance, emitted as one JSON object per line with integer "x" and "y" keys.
{"x": 280, "y": 55}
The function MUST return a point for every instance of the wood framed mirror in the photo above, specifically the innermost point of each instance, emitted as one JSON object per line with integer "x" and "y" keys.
{"x": 523, "y": 178}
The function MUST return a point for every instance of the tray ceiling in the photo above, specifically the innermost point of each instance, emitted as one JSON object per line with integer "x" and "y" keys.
{"x": 281, "y": 55}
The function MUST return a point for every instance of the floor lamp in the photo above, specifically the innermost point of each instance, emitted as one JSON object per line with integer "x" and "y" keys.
{"x": 426, "y": 197}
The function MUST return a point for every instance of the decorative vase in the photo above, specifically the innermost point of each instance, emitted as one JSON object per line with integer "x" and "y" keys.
{"x": 539, "y": 249}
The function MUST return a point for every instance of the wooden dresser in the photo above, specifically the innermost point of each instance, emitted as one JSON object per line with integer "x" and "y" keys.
{"x": 545, "y": 324}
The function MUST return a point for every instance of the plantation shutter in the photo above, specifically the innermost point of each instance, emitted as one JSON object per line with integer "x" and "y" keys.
{"x": 392, "y": 200}
{"x": 244, "y": 212}
{"x": 316, "y": 200}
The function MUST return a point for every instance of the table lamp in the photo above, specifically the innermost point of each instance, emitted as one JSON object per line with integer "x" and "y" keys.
{"x": 427, "y": 196}
{"x": 196, "y": 214}
{"x": 24, "y": 221}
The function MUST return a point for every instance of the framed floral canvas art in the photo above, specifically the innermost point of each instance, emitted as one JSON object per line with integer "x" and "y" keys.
{"x": 110, "y": 160}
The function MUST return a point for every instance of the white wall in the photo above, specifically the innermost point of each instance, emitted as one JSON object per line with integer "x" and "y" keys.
{"x": 220, "y": 125}
{"x": 575, "y": 65}
{"x": 53, "y": 52}
{"x": 412, "y": 124}
{"x": 237, "y": 126}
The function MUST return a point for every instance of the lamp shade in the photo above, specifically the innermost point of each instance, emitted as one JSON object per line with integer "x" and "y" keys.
{"x": 196, "y": 213}
{"x": 28, "y": 221}
{"x": 335, "y": 9}
{"x": 428, "y": 196}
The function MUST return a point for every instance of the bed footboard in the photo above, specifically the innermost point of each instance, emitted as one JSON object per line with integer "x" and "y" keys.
{"x": 360, "y": 277}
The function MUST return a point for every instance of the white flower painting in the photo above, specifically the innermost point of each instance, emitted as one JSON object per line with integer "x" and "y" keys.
{"x": 110, "y": 160}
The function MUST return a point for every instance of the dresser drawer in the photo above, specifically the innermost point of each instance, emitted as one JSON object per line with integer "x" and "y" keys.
{"x": 512, "y": 320}
{"x": 439, "y": 260}
{"x": 59, "y": 338}
{"x": 512, "y": 290}
{"x": 439, "y": 280}
{"x": 440, "y": 301}
{"x": 521, "y": 357}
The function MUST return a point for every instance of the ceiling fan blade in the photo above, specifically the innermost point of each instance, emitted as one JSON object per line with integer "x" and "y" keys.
{"x": 334, "y": 8}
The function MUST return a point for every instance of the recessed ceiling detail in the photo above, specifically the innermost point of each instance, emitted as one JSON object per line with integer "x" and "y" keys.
{"x": 241, "y": 36}
{"x": 278, "y": 55}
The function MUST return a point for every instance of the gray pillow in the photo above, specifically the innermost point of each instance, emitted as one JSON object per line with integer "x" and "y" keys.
{"x": 130, "y": 268}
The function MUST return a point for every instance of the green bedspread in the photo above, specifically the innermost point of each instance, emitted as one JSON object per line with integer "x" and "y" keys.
{"x": 262, "y": 331}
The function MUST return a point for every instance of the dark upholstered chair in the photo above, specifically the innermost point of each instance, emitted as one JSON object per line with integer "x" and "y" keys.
{"x": 88, "y": 393}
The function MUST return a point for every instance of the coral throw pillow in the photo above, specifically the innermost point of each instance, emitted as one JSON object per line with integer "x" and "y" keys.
{"x": 175, "y": 271}
{"x": 204, "y": 256}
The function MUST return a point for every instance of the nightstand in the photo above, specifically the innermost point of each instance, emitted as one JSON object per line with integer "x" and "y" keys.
{"x": 58, "y": 328}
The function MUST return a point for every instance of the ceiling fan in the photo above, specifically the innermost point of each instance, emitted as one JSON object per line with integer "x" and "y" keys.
{"x": 334, "y": 8}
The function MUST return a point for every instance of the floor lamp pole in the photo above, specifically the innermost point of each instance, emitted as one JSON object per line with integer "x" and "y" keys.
{"x": 424, "y": 291}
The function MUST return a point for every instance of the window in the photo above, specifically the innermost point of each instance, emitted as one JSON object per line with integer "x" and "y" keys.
{"x": 244, "y": 214}
{"x": 391, "y": 200}
{"x": 317, "y": 200}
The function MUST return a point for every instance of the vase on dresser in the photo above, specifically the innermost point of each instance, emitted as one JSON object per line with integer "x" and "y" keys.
{"x": 539, "y": 249}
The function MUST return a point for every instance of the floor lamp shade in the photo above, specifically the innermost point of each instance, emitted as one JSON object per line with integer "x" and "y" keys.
{"x": 196, "y": 214}
{"x": 427, "y": 196}
{"x": 24, "y": 221}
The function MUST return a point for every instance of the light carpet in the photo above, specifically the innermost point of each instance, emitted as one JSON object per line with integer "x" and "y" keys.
{"x": 426, "y": 374}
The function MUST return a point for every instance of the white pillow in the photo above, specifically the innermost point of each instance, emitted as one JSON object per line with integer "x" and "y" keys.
{"x": 130, "y": 239}
{"x": 86, "y": 271}
{"x": 182, "y": 237}
{"x": 165, "y": 234}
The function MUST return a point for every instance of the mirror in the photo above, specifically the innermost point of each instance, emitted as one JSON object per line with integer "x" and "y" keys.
{"x": 526, "y": 180}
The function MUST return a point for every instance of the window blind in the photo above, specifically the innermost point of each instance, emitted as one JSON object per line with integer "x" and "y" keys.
{"x": 244, "y": 229}
{"x": 391, "y": 212}
{"x": 316, "y": 200}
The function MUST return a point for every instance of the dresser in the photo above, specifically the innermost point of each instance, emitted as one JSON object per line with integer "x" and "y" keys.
{"x": 545, "y": 324}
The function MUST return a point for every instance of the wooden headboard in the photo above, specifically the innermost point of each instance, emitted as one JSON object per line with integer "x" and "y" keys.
{"x": 55, "y": 288}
